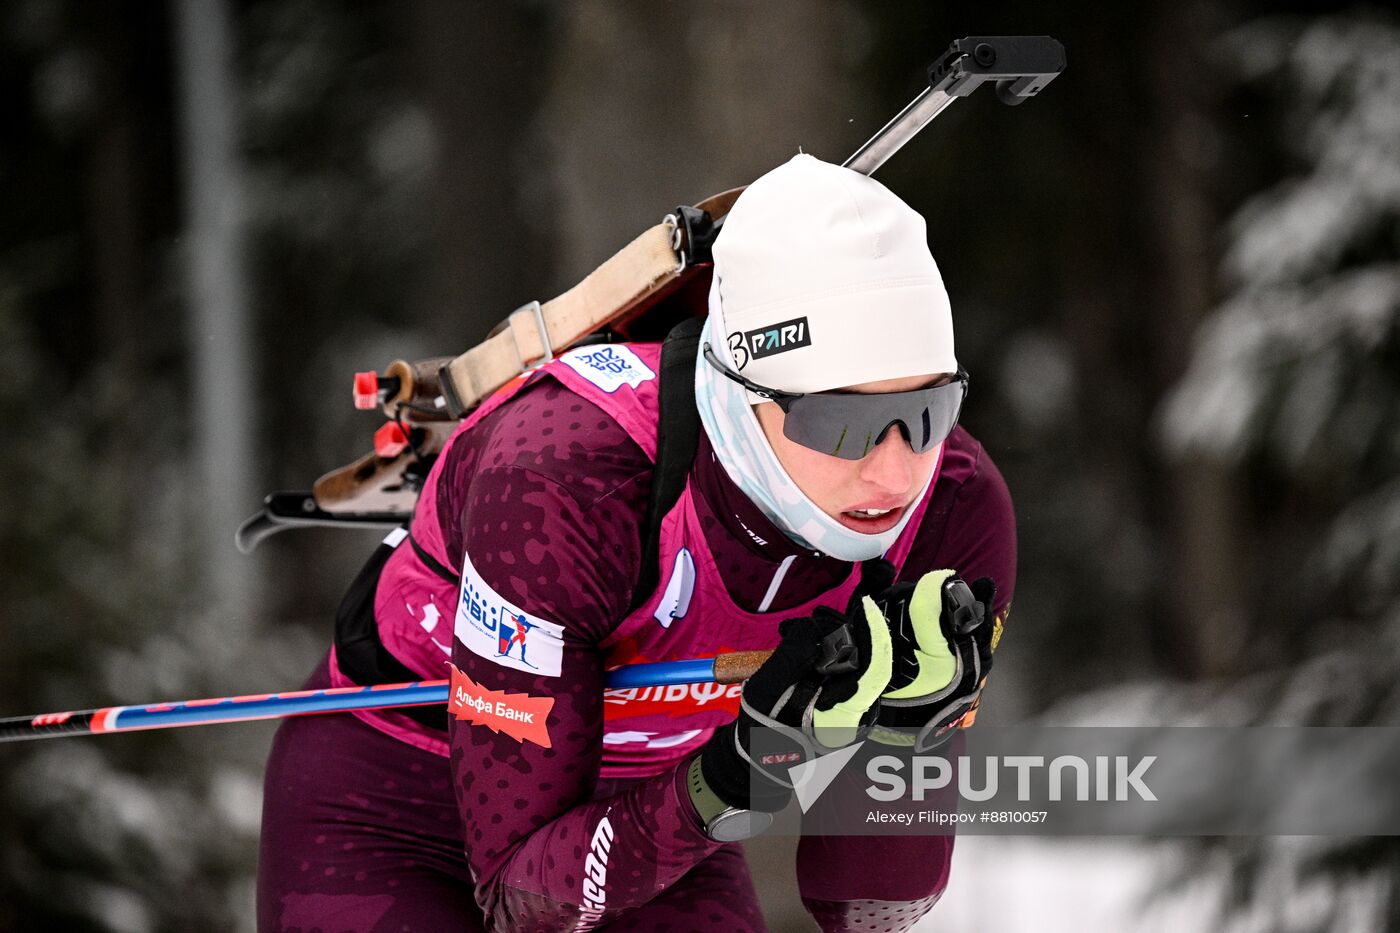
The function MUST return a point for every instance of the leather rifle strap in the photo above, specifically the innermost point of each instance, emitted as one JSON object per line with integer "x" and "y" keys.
{"x": 631, "y": 276}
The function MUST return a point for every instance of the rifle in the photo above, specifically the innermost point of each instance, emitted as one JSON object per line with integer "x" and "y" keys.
{"x": 653, "y": 283}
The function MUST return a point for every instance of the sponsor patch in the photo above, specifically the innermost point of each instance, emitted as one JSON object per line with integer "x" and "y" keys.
{"x": 768, "y": 341}
{"x": 675, "y": 602}
{"x": 518, "y": 715}
{"x": 671, "y": 700}
{"x": 609, "y": 366}
{"x": 504, "y": 633}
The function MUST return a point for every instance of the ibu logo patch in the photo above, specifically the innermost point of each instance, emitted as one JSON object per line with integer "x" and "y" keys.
{"x": 501, "y": 632}
{"x": 609, "y": 366}
{"x": 768, "y": 341}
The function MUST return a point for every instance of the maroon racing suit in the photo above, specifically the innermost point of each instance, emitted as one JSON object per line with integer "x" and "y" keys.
{"x": 366, "y": 827}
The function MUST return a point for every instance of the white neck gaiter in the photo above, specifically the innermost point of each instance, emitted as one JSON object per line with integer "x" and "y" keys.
{"x": 749, "y": 460}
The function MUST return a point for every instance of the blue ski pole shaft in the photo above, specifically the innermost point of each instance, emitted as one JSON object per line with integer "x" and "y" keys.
{"x": 729, "y": 668}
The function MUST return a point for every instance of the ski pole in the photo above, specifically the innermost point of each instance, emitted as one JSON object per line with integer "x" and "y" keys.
{"x": 723, "y": 669}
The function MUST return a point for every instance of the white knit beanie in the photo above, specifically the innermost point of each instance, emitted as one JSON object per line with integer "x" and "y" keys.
{"x": 825, "y": 280}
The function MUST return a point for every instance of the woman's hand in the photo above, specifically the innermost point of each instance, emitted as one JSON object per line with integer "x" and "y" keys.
{"x": 942, "y": 637}
{"x": 819, "y": 691}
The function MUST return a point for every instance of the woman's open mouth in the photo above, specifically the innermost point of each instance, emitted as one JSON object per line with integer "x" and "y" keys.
{"x": 871, "y": 521}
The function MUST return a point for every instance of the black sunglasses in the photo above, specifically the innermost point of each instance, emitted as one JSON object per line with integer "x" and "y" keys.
{"x": 849, "y": 424}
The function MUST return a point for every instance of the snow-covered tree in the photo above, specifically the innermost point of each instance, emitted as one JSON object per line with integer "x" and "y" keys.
{"x": 1295, "y": 379}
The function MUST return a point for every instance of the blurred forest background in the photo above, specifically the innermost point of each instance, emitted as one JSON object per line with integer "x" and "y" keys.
{"x": 1175, "y": 279}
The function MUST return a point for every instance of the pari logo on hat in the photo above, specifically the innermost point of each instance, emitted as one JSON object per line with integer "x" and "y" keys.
{"x": 767, "y": 341}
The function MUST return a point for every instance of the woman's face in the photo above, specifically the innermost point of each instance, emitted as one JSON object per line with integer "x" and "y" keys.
{"x": 886, "y": 479}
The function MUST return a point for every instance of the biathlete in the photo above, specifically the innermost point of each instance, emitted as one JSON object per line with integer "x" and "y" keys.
{"x": 827, "y": 465}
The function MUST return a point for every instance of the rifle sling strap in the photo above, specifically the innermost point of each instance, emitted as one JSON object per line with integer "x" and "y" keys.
{"x": 631, "y": 276}
{"x": 677, "y": 438}
{"x": 359, "y": 651}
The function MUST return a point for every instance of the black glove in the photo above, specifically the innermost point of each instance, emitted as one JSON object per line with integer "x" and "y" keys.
{"x": 942, "y": 632}
{"x": 819, "y": 691}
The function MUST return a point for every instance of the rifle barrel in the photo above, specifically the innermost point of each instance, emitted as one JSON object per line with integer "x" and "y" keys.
{"x": 894, "y": 134}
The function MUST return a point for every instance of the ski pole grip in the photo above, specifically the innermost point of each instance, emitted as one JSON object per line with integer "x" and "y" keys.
{"x": 839, "y": 653}
{"x": 963, "y": 608}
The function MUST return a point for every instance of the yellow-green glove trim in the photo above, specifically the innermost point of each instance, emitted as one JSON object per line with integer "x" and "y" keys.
{"x": 937, "y": 663}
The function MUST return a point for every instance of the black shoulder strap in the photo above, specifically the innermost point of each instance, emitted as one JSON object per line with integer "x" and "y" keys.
{"x": 432, "y": 563}
{"x": 677, "y": 437}
{"x": 360, "y": 651}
